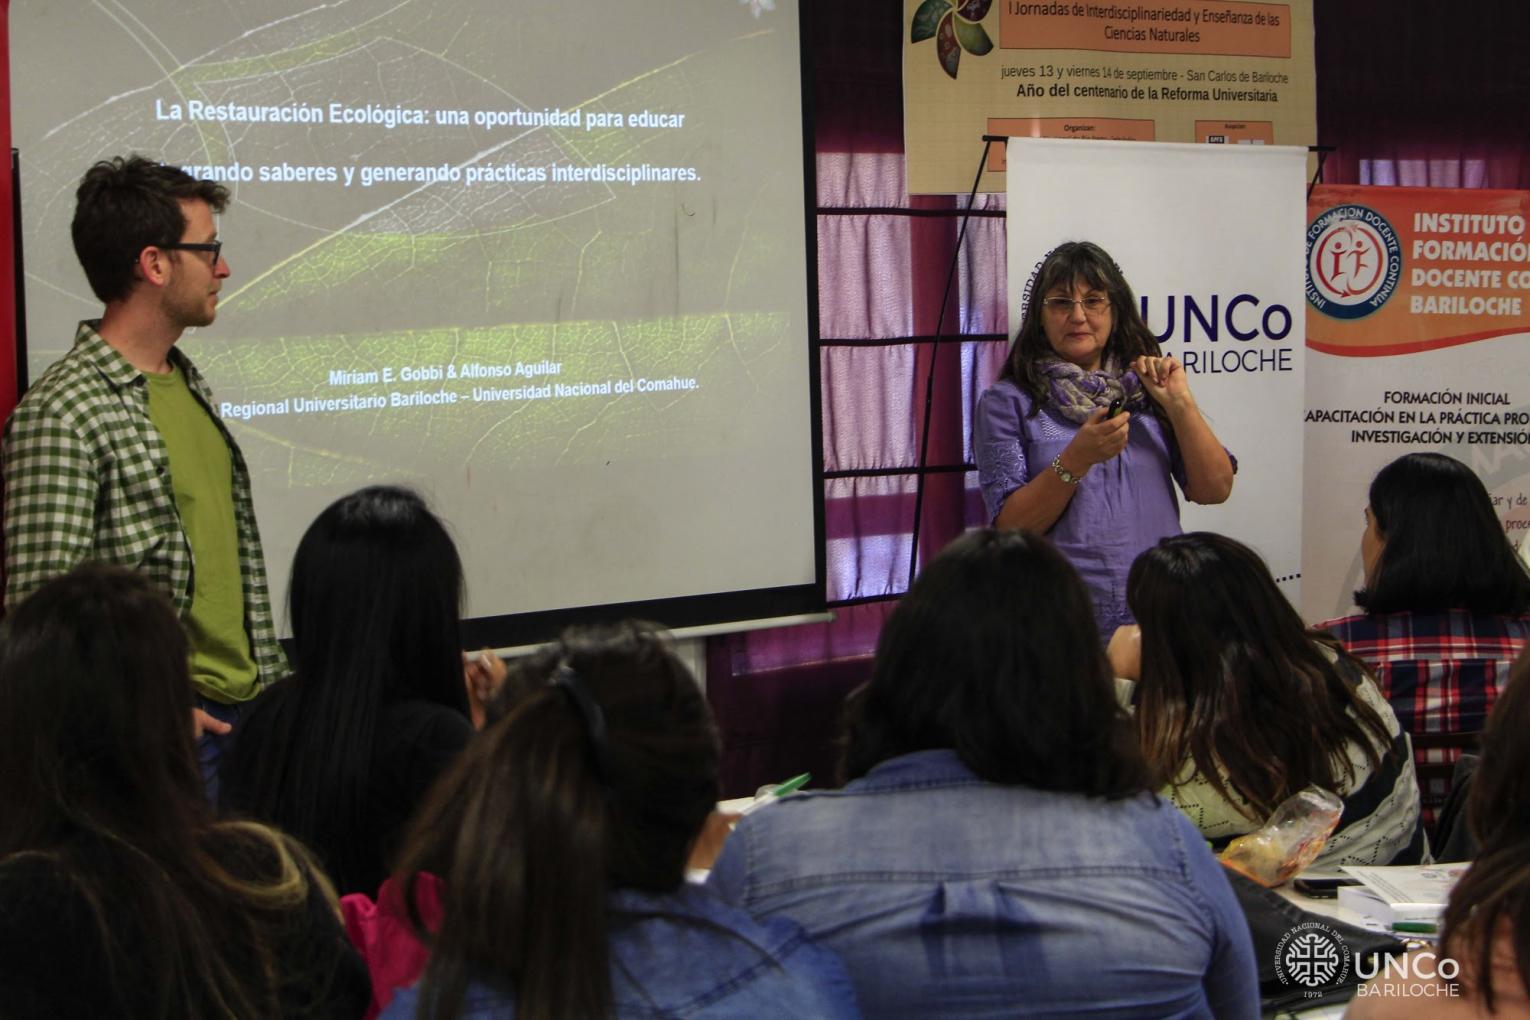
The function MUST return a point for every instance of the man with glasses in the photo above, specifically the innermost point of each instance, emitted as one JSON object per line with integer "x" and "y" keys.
{"x": 116, "y": 453}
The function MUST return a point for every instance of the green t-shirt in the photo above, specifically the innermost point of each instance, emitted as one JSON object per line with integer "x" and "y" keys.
{"x": 201, "y": 476}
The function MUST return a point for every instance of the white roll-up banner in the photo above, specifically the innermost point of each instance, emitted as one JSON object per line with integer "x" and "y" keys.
{"x": 1210, "y": 237}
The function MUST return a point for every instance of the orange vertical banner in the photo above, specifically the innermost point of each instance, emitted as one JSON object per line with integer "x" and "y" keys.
{"x": 1418, "y": 321}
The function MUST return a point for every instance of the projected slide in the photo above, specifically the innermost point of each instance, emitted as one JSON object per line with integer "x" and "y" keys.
{"x": 547, "y": 263}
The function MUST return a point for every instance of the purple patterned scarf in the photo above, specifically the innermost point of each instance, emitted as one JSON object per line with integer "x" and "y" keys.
{"x": 1074, "y": 392}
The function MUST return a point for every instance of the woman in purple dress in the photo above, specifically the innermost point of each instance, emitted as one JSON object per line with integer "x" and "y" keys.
{"x": 1052, "y": 459}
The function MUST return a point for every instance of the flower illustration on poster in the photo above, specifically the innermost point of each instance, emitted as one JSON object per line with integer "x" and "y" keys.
{"x": 955, "y": 25}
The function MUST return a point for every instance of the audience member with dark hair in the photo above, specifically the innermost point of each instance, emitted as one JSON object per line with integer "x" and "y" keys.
{"x": 1446, "y": 600}
{"x": 1487, "y": 922}
{"x": 340, "y": 753}
{"x": 997, "y": 848}
{"x": 1239, "y": 706}
{"x": 120, "y": 894}
{"x": 561, "y": 840}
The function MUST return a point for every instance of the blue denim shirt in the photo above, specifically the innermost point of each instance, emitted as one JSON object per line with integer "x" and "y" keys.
{"x": 689, "y": 955}
{"x": 949, "y": 896}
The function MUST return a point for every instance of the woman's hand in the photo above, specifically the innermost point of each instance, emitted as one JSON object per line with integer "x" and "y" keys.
{"x": 1164, "y": 379}
{"x": 1098, "y": 440}
{"x": 1208, "y": 469}
{"x": 484, "y": 674}
{"x": 1125, "y": 652}
{"x": 1038, "y": 503}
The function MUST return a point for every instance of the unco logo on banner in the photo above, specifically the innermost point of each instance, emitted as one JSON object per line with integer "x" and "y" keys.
{"x": 1354, "y": 262}
{"x": 1242, "y": 317}
{"x": 1311, "y": 956}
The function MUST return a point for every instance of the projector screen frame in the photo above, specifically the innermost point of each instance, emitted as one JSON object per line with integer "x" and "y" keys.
{"x": 713, "y": 611}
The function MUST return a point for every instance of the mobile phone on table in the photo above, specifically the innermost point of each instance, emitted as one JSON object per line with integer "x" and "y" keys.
{"x": 1114, "y": 408}
{"x": 1321, "y": 888}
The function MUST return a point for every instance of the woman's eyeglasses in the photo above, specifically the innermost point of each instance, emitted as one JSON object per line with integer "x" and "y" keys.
{"x": 1093, "y": 305}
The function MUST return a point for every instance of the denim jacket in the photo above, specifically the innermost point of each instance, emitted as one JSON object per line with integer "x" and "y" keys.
{"x": 949, "y": 896}
{"x": 689, "y": 955}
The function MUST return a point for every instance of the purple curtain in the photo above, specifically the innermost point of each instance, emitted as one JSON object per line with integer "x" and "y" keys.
{"x": 1424, "y": 96}
{"x": 1407, "y": 99}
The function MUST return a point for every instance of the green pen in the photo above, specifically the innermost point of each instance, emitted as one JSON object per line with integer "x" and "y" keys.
{"x": 774, "y": 794}
{"x": 1415, "y": 927}
{"x": 792, "y": 785}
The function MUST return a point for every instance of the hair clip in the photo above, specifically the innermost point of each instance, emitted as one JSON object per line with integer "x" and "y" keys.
{"x": 566, "y": 679}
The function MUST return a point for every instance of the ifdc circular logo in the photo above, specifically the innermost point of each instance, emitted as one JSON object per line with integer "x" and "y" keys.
{"x": 1311, "y": 955}
{"x": 1354, "y": 262}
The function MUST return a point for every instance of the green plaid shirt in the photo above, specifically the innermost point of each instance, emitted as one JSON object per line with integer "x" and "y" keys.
{"x": 87, "y": 478}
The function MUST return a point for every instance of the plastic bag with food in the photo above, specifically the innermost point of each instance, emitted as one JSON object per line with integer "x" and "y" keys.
{"x": 1289, "y": 841}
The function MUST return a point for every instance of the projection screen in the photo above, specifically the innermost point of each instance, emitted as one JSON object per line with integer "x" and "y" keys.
{"x": 548, "y": 264}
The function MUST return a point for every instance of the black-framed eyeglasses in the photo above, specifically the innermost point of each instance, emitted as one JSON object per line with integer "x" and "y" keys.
{"x": 215, "y": 247}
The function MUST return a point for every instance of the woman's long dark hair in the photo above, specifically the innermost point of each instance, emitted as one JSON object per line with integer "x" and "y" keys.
{"x": 1444, "y": 547}
{"x": 1495, "y": 892}
{"x": 99, "y": 782}
{"x": 994, "y": 653}
{"x": 1233, "y": 681}
{"x": 375, "y": 599}
{"x": 1088, "y": 263}
{"x": 599, "y": 777}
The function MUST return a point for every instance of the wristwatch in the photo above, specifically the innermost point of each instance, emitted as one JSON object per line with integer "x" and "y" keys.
{"x": 1064, "y": 473}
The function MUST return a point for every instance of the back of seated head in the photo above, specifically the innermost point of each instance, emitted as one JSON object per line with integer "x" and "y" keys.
{"x": 994, "y": 653}
{"x": 598, "y": 776}
{"x": 1444, "y": 547}
{"x": 95, "y": 714}
{"x": 375, "y": 601}
{"x": 103, "y": 803}
{"x": 1491, "y": 901}
{"x": 1233, "y": 681}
